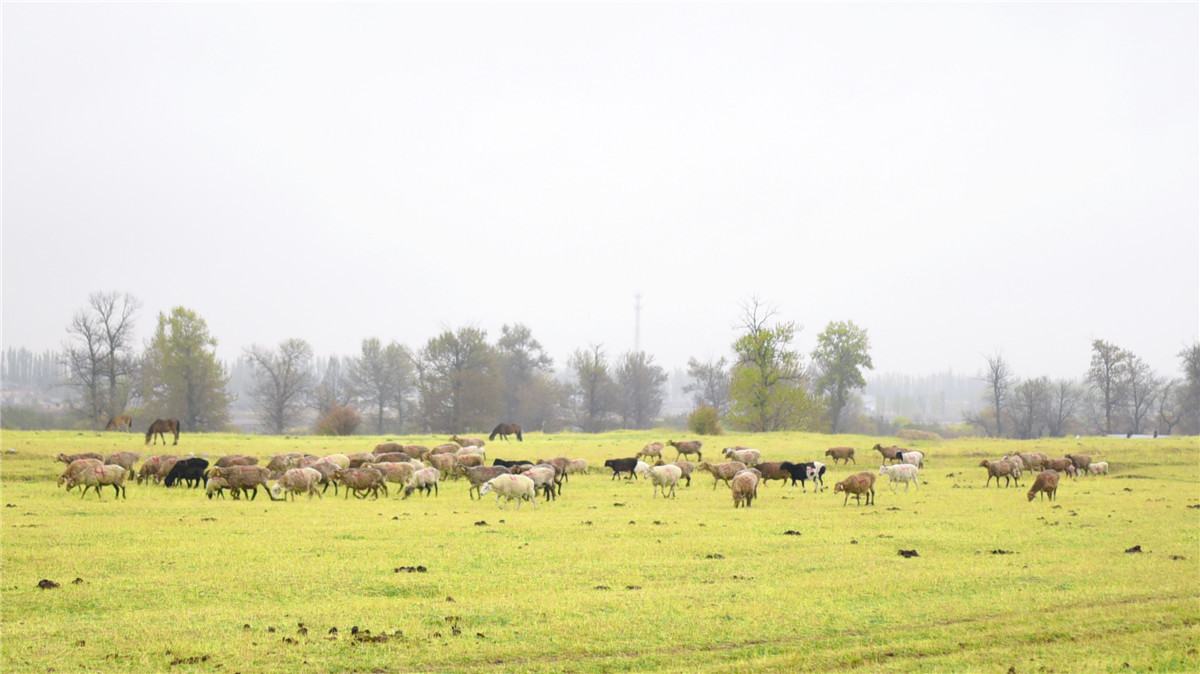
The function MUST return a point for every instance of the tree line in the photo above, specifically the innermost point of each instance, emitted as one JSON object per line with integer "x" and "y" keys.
{"x": 460, "y": 379}
{"x": 1120, "y": 393}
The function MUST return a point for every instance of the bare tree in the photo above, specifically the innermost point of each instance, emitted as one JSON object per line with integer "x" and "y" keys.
{"x": 380, "y": 377}
{"x": 84, "y": 355}
{"x": 1030, "y": 403}
{"x": 1106, "y": 374}
{"x": 1142, "y": 387}
{"x": 999, "y": 379}
{"x": 1171, "y": 405}
{"x": 114, "y": 314}
{"x": 1064, "y": 398}
{"x": 333, "y": 390}
{"x": 282, "y": 381}
{"x": 710, "y": 383}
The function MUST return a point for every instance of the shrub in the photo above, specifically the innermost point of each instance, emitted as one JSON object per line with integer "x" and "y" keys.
{"x": 339, "y": 420}
{"x": 914, "y": 434}
{"x": 705, "y": 421}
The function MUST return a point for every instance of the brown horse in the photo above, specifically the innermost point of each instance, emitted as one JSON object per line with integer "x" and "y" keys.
{"x": 160, "y": 427}
{"x": 505, "y": 430}
{"x": 121, "y": 423}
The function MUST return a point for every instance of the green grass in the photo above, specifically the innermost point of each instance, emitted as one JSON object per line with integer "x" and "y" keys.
{"x": 171, "y": 578}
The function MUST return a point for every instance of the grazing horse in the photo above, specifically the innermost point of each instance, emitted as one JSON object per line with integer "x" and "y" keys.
{"x": 121, "y": 423}
{"x": 160, "y": 427}
{"x": 505, "y": 430}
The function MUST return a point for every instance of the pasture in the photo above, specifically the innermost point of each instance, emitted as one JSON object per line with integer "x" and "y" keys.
{"x": 607, "y": 577}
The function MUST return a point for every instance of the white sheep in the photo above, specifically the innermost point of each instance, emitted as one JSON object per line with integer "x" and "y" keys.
{"x": 339, "y": 460}
{"x": 577, "y": 466}
{"x": 426, "y": 479}
{"x": 301, "y": 480}
{"x": 666, "y": 475}
{"x": 512, "y": 487}
{"x": 1098, "y": 468}
{"x": 901, "y": 472}
{"x": 543, "y": 476}
{"x": 913, "y": 458}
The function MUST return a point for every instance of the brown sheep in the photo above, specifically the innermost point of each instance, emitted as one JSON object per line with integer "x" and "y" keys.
{"x": 464, "y": 461}
{"x": 367, "y": 479}
{"x": 387, "y": 448}
{"x": 165, "y": 464}
{"x": 722, "y": 472}
{"x": 1081, "y": 461}
{"x": 392, "y": 457}
{"x": 125, "y": 460}
{"x": 654, "y": 449}
{"x": 443, "y": 462}
{"x": 237, "y": 460}
{"x": 890, "y": 453}
{"x": 1034, "y": 460}
{"x": 245, "y": 480}
{"x": 1001, "y": 469}
{"x": 68, "y": 458}
{"x": 857, "y": 484}
{"x": 845, "y": 454}
{"x": 1046, "y": 484}
{"x": 361, "y": 459}
{"x": 447, "y": 448}
{"x": 687, "y": 448}
{"x": 70, "y": 476}
{"x": 396, "y": 472}
{"x": 687, "y": 468}
{"x": 773, "y": 470}
{"x": 479, "y": 475}
{"x": 1061, "y": 465}
{"x": 467, "y": 442}
{"x": 416, "y": 451}
{"x": 744, "y": 487}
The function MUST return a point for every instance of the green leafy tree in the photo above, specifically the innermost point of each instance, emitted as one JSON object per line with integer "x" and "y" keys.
{"x": 458, "y": 381}
{"x": 843, "y": 351}
{"x": 768, "y": 389}
{"x": 182, "y": 377}
{"x": 710, "y": 383}
{"x": 641, "y": 385}
{"x": 529, "y": 391}
{"x": 1106, "y": 375}
{"x": 595, "y": 392}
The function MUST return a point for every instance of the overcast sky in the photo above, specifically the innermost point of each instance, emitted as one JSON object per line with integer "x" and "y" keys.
{"x": 958, "y": 179}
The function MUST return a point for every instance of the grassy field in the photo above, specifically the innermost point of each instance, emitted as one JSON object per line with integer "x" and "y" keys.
{"x": 608, "y": 578}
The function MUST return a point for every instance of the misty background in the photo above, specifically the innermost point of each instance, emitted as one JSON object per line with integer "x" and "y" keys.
{"x": 960, "y": 181}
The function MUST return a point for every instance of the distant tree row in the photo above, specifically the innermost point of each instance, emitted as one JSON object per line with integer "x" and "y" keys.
{"x": 1119, "y": 393}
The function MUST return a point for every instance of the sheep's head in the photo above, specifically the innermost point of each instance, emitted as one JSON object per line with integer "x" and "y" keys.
{"x": 839, "y": 487}
{"x": 883, "y": 470}
{"x": 985, "y": 464}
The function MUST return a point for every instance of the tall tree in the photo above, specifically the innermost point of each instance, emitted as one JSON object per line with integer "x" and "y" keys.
{"x": 1106, "y": 375}
{"x": 641, "y": 385}
{"x": 114, "y": 315}
{"x": 1030, "y": 406}
{"x": 84, "y": 356}
{"x": 1064, "y": 398}
{"x": 999, "y": 380}
{"x": 182, "y": 376}
{"x": 710, "y": 384}
{"x": 458, "y": 381}
{"x": 1189, "y": 358}
{"x": 282, "y": 381}
{"x": 1170, "y": 405}
{"x": 767, "y": 391}
{"x": 333, "y": 389}
{"x": 595, "y": 390}
{"x": 1142, "y": 388}
{"x": 380, "y": 378}
{"x": 524, "y": 369}
{"x": 843, "y": 351}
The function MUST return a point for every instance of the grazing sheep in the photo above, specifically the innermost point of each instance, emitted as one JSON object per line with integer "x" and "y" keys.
{"x": 619, "y": 466}
{"x": 328, "y": 471}
{"x": 478, "y": 475}
{"x": 511, "y": 487}
{"x": 245, "y": 480}
{"x": 1034, "y": 460}
{"x": 425, "y": 479}
{"x": 1098, "y": 468}
{"x": 1062, "y": 465}
{"x": 543, "y": 479}
{"x": 857, "y": 484}
{"x": 577, "y": 467}
{"x": 364, "y": 479}
{"x": 889, "y": 453}
{"x": 149, "y": 469}
{"x": 360, "y": 459}
{"x": 339, "y": 460}
{"x": 773, "y": 470}
{"x": 748, "y": 456}
{"x": 744, "y": 487}
{"x": 94, "y": 477}
{"x": 722, "y": 472}
{"x": 392, "y": 457}
{"x": 69, "y": 458}
{"x": 300, "y": 480}
{"x": 443, "y": 462}
{"x": 904, "y": 472}
{"x": 70, "y": 476}
{"x": 190, "y": 470}
{"x": 236, "y": 460}
{"x": 1001, "y": 469}
{"x": 467, "y": 442}
{"x": 686, "y": 468}
{"x": 1081, "y": 461}
{"x": 165, "y": 465}
{"x": 216, "y": 486}
{"x": 654, "y": 449}
{"x": 687, "y": 448}
{"x": 662, "y": 476}
{"x": 844, "y": 454}
{"x": 447, "y": 448}
{"x": 1046, "y": 483}
{"x": 387, "y": 448}
{"x": 126, "y": 460}
{"x": 913, "y": 458}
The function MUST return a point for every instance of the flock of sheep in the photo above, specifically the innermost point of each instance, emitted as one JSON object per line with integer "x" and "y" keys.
{"x": 412, "y": 468}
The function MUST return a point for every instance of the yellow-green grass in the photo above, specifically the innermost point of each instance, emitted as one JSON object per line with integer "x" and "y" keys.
{"x": 171, "y": 579}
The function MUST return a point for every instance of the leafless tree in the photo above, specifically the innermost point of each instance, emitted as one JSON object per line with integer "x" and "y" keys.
{"x": 1106, "y": 375}
{"x": 999, "y": 380}
{"x": 114, "y": 319}
{"x": 641, "y": 389}
{"x": 282, "y": 381}
{"x": 1142, "y": 387}
{"x": 1171, "y": 405}
{"x": 595, "y": 391}
{"x": 84, "y": 355}
{"x": 1064, "y": 398}
{"x": 1031, "y": 401}
{"x": 710, "y": 383}
{"x": 380, "y": 377}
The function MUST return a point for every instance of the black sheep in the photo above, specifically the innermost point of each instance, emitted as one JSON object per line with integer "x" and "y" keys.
{"x": 619, "y": 466}
{"x": 510, "y": 464}
{"x": 190, "y": 471}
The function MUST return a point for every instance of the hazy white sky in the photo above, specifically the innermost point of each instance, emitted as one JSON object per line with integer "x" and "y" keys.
{"x": 956, "y": 178}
